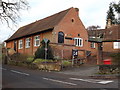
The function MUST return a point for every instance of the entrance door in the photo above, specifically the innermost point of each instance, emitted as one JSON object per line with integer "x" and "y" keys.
{"x": 15, "y": 45}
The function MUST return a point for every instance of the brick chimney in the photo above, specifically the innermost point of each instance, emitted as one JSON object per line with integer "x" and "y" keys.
{"x": 108, "y": 24}
{"x": 77, "y": 10}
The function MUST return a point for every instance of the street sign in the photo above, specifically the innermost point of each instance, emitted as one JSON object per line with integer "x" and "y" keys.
{"x": 75, "y": 52}
{"x": 46, "y": 49}
{"x": 45, "y": 40}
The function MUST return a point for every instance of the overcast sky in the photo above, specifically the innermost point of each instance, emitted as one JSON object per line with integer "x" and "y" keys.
{"x": 91, "y": 12}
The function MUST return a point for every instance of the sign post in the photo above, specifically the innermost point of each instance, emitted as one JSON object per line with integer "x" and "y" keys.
{"x": 46, "y": 41}
{"x": 74, "y": 54}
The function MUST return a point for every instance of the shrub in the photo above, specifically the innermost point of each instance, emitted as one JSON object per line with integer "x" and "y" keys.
{"x": 40, "y": 53}
{"x": 29, "y": 59}
{"x": 3, "y": 56}
{"x": 19, "y": 57}
{"x": 116, "y": 57}
{"x": 108, "y": 69}
{"x": 36, "y": 61}
{"x": 66, "y": 63}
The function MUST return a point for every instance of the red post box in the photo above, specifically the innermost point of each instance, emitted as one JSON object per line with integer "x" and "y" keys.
{"x": 107, "y": 61}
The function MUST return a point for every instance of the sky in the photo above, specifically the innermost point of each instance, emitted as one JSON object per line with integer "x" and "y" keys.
{"x": 91, "y": 12}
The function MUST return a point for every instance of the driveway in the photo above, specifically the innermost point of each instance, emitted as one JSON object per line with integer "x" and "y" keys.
{"x": 83, "y": 70}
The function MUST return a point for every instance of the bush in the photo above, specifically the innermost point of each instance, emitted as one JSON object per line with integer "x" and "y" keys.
{"x": 116, "y": 57}
{"x": 108, "y": 69}
{"x": 40, "y": 53}
{"x": 3, "y": 56}
{"x": 66, "y": 63}
{"x": 19, "y": 57}
{"x": 37, "y": 61}
{"x": 29, "y": 59}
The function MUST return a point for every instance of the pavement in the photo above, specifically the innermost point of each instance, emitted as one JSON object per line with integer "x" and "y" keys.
{"x": 87, "y": 70}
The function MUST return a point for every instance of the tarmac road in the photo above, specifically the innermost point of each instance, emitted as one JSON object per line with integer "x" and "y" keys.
{"x": 19, "y": 77}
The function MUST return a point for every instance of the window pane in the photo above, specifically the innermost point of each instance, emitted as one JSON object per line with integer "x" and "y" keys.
{"x": 37, "y": 41}
{"x": 78, "y": 42}
{"x": 27, "y": 42}
{"x": 116, "y": 45}
{"x": 60, "y": 37}
{"x": 20, "y": 44}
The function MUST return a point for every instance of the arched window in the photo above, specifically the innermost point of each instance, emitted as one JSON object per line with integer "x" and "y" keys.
{"x": 60, "y": 37}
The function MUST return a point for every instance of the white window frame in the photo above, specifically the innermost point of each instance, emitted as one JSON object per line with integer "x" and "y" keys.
{"x": 92, "y": 45}
{"x": 27, "y": 44}
{"x": 20, "y": 44}
{"x": 78, "y": 42}
{"x": 36, "y": 39}
{"x": 116, "y": 45}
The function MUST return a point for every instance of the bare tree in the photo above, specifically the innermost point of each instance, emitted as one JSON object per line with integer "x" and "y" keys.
{"x": 10, "y": 10}
{"x": 93, "y": 27}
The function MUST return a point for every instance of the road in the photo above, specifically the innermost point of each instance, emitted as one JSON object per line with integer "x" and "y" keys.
{"x": 19, "y": 77}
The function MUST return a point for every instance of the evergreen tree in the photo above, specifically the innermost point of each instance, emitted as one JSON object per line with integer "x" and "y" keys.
{"x": 117, "y": 10}
{"x": 40, "y": 53}
{"x": 116, "y": 7}
{"x": 111, "y": 15}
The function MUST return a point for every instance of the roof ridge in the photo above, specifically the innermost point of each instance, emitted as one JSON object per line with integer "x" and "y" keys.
{"x": 47, "y": 17}
{"x": 39, "y": 25}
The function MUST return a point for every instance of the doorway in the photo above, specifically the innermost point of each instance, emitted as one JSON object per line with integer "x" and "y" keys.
{"x": 15, "y": 45}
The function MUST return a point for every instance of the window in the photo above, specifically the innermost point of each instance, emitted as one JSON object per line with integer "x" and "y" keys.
{"x": 116, "y": 45}
{"x": 27, "y": 42}
{"x": 72, "y": 20}
{"x": 20, "y": 44}
{"x": 60, "y": 37}
{"x": 37, "y": 41}
{"x": 78, "y": 42}
{"x": 15, "y": 42}
{"x": 92, "y": 45}
{"x": 78, "y": 34}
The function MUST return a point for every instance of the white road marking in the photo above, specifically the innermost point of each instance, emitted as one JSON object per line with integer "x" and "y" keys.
{"x": 93, "y": 80}
{"x": 105, "y": 82}
{"x": 59, "y": 81}
{"x": 19, "y": 72}
{"x": 3, "y": 69}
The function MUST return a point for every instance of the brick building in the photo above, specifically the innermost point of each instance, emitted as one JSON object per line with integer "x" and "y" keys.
{"x": 109, "y": 37}
{"x": 65, "y": 31}
{"x": 111, "y": 41}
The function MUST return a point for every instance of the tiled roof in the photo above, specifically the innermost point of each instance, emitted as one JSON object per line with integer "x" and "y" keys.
{"x": 95, "y": 33}
{"x": 112, "y": 33}
{"x": 39, "y": 26}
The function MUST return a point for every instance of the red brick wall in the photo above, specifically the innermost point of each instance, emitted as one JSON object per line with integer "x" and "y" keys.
{"x": 72, "y": 29}
{"x": 108, "y": 47}
{"x": 93, "y": 50}
{"x": 10, "y": 44}
{"x": 31, "y": 50}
